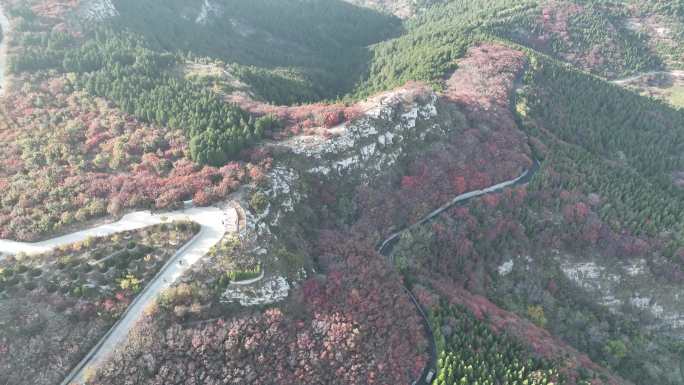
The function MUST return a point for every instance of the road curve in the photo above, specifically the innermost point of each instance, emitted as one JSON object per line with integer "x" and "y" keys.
{"x": 214, "y": 223}
{"x": 212, "y": 229}
{"x": 387, "y": 246}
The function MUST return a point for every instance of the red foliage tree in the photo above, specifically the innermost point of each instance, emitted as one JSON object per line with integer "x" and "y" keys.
{"x": 576, "y": 213}
{"x": 333, "y": 119}
{"x": 460, "y": 184}
{"x": 409, "y": 182}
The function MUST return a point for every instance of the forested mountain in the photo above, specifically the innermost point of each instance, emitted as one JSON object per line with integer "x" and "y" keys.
{"x": 323, "y": 41}
{"x": 386, "y": 192}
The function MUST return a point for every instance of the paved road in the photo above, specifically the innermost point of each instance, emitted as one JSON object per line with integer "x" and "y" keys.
{"x": 205, "y": 216}
{"x": 630, "y": 79}
{"x": 387, "y": 246}
{"x": 212, "y": 229}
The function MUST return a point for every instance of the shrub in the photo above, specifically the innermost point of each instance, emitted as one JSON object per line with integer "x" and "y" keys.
{"x": 122, "y": 264}
{"x": 244, "y": 275}
{"x": 258, "y": 202}
{"x": 29, "y": 286}
{"x": 536, "y": 315}
{"x": 97, "y": 254}
{"x": 51, "y": 287}
{"x": 130, "y": 282}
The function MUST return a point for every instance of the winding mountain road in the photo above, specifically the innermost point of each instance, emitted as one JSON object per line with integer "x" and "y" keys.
{"x": 214, "y": 223}
{"x": 387, "y": 246}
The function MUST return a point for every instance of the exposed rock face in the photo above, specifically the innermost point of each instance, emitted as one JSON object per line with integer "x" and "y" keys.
{"x": 438, "y": 135}
{"x": 395, "y": 127}
{"x": 374, "y": 143}
{"x": 631, "y": 288}
{"x": 270, "y": 290}
{"x": 201, "y": 12}
{"x": 403, "y": 9}
{"x": 628, "y": 288}
{"x": 400, "y": 8}
{"x": 210, "y": 9}
{"x": 97, "y": 10}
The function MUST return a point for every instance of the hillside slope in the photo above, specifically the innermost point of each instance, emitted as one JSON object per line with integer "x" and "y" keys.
{"x": 329, "y": 127}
